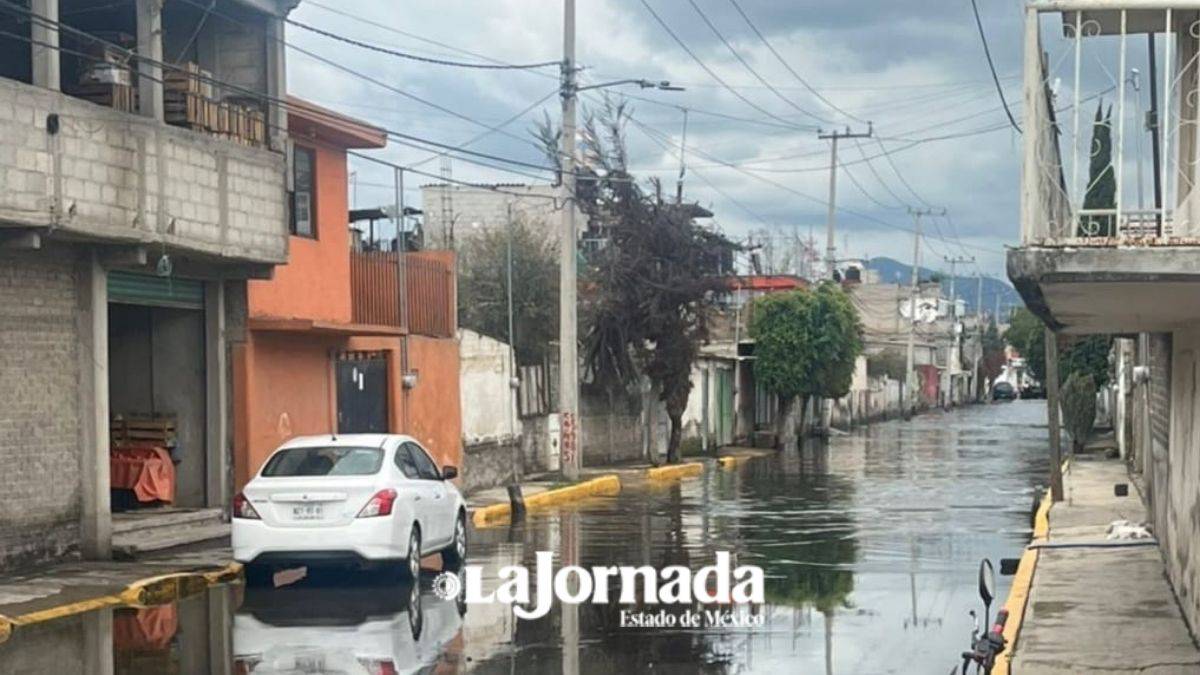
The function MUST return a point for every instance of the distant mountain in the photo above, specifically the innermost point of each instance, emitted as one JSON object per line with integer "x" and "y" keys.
{"x": 893, "y": 271}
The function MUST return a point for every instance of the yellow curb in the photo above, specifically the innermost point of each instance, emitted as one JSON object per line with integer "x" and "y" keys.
{"x": 156, "y": 590}
{"x": 602, "y": 486}
{"x": 675, "y": 471}
{"x": 1018, "y": 594}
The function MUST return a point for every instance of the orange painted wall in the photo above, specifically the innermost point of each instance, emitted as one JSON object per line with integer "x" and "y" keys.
{"x": 284, "y": 387}
{"x": 315, "y": 282}
{"x": 434, "y": 416}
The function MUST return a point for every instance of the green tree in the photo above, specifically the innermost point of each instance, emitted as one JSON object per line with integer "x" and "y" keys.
{"x": 1086, "y": 354}
{"x": 1079, "y": 408}
{"x": 806, "y": 343}
{"x": 648, "y": 291}
{"x": 891, "y": 363}
{"x": 483, "y": 287}
{"x": 1102, "y": 183}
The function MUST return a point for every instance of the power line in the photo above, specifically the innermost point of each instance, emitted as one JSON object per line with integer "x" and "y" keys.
{"x": 700, "y": 62}
{"x": 747, "y": 65}
{"x": 399, "y": 137}
{"x": 786, "y": 65}
{"x": 416, "y": 57}
{"x": 992, "y": 66}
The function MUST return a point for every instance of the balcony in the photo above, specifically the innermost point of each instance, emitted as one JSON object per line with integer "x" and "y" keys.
{"x": 430, "y": 291}
{"x": 1110, "y": 213}
{"x": 104, "y": 140}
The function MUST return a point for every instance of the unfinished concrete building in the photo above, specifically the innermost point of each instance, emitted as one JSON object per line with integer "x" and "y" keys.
{"x": 143, "y": 180}
{"x": 1110, "y": 97}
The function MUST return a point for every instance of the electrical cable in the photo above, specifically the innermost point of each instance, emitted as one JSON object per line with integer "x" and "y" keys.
{"x": 786, "y": 65}
{"x": 750, "y": 68}
{"x": 992, "y": 66}
{"x": 416, "y": 57}
{"x": 700, "y": 62}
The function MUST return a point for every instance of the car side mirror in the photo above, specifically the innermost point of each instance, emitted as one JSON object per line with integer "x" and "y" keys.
{"x": 449, "y": 472}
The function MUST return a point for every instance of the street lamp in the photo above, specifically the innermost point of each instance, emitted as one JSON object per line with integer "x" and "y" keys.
{"x": 568, "y": 357}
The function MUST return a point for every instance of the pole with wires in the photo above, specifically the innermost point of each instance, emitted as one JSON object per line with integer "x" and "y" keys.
{"x": 830, "y": 241}
{"x": 682, "y": 163}
{"x": 910, "y": 384}
{"x": 568, "y": 359}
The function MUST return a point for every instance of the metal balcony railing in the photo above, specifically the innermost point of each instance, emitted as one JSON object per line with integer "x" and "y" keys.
{"x": 1111, "y": 113}
{"x": 430, "y": 305}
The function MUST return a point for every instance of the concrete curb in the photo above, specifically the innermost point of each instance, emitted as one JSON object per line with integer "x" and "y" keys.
{"x": 675, "y": 471}
{"x": 603, "y": 486}
{"x": 156, "y": 590}
{"x": 1018, "y": 593}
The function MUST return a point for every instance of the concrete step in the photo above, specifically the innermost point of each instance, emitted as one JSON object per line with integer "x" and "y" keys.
{"x": 154, "y": 519}
{"x": 132, "y": 544}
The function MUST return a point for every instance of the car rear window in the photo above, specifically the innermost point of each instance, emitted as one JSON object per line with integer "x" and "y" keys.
{"x": 335, "y": 461}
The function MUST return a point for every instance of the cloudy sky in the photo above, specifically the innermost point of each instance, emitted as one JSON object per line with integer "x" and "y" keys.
{"x": 915, "y": 69}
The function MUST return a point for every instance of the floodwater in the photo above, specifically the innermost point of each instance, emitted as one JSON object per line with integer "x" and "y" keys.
{"x": 869, "y": 545}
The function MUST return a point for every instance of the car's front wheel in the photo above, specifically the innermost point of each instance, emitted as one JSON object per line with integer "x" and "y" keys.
{"x": 455, "y": 555}
{"x": 412, "y": 563}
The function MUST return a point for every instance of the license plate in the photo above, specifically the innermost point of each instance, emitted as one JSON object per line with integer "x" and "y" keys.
{"x": 307, "y": 512}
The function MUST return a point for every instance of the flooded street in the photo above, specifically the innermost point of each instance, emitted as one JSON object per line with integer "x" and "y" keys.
{"x": 869, "y": 546}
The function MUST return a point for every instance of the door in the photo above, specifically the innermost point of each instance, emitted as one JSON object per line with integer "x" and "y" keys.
{"x": 362, "y": 393}
{"x": 724, "y": 407}
{"x": 439, "y": 523}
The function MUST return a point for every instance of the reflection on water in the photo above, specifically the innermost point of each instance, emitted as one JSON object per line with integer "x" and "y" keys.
{"x": 869, "y": 545}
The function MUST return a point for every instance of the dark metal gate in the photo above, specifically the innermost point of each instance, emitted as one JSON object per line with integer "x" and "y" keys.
{"x": 362, "y": 392}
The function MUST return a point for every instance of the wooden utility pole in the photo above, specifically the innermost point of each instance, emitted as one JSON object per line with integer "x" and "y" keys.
{"x": 1052, "y": 413}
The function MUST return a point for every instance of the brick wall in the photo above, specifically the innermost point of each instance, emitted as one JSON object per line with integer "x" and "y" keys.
{"x": 39, "y": 416}
{"x": 125, "y": 177}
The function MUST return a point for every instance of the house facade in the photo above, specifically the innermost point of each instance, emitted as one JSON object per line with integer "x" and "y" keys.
{"x": 1131, "y": 267}
{"x": 342, "y": 339}
{"x": 128, "y": 232}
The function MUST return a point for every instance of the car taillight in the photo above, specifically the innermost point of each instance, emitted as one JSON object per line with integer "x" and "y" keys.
{"x": 380, "y": 504}
{"x": 378, "y": 666}
{"x": 242, "y": 508}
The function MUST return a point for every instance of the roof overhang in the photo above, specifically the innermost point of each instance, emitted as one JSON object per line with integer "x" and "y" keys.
{"x": 308, "y": 120}
{"x": 316, "y": 327}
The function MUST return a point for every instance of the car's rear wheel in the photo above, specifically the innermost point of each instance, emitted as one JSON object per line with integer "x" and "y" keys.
{"x": 456, "y": 554}
{"x": 259, "y": 575}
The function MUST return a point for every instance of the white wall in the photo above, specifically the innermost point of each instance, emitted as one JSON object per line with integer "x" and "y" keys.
{"x": 489, "y": 404}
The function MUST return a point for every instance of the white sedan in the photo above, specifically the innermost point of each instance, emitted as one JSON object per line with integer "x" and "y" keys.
{"x": 356, "y": 499}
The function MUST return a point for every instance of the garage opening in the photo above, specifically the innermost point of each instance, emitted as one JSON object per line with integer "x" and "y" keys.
{"x": 156, "y": 389}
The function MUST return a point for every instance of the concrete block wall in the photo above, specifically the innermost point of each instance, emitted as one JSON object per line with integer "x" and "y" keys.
{"x": 40, "y": 494}
{"x": 128, "y": 178}
{"x": 535, "y": 204}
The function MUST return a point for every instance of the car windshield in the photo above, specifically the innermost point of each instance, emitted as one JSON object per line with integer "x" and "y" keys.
{"x": 326, "y": 461}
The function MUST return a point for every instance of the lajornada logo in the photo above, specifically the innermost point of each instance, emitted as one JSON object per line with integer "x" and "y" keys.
{"x": 712, "y": 584}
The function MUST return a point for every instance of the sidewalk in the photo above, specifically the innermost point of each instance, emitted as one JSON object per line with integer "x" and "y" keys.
{"x": 55, "y": 591}
{"x": 1094, "y": 609}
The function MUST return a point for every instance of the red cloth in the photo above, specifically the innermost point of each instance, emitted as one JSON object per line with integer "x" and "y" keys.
{"x": 145, "y": 629}
{"x": 145, "y": 469}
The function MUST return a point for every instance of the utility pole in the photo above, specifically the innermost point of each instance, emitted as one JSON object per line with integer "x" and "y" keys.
{"x": 1052, "y": 403}
{"x": 909, "y": 376}
{"x": 568, "y": 359}
{"x": 956, "y": 352}
{"x": 979, "y": 329}
{"x": 830, "y": 242}
{"x": 682, "y": 164}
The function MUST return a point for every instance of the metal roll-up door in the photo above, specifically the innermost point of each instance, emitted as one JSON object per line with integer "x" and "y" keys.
{"x": 146, "y": 289}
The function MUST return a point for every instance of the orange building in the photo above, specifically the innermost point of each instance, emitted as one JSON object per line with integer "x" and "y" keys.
{"x": 329, "y": 345}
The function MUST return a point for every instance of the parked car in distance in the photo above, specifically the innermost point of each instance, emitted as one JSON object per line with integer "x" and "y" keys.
{"x": 1003, "y": 391}
{"x": 356, "y": 500}
{"x": 1033, "y": 391}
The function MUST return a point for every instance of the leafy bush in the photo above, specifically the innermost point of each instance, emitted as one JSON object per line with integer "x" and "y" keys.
{"x": 1079, "y": 408}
